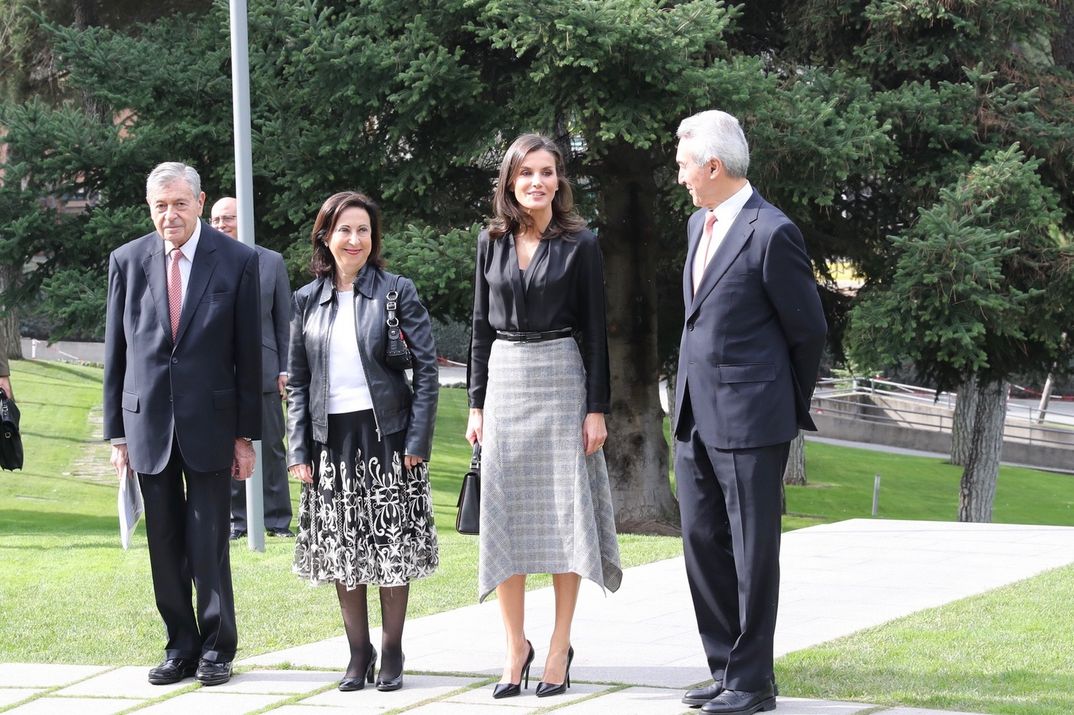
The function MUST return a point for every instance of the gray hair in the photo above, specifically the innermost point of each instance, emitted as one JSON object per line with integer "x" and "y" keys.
{"x": 717, "y": 135}
{"x": 170, "y": 172}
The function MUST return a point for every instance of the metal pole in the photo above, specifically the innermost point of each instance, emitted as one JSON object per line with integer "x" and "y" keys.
{"x": 1045, "y": 398}
{"x": 876, "y": 495}
{"x": 244, "y": 194}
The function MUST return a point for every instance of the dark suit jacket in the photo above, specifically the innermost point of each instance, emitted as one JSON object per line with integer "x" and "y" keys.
{"x": 275, "y": 316}
{"x": 754, "y": 333}
{"x": 206, "y": 387}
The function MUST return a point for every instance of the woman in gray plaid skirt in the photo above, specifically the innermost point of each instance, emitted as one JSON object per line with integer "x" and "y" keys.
{"x": 538, "y": 390}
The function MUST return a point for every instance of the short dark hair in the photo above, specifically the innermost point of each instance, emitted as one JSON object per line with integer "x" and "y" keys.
{"x": 508, "y": 215}
{"x": 322, "y": 263}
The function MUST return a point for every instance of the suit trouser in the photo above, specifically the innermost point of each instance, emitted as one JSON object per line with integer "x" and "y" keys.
{"x": 187, "y": 530}
{"x": 274, "y": 486}
{"x": 730, "y": 506}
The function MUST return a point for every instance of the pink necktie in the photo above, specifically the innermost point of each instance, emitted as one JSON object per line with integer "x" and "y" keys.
{"x": 175, "y": 291}
{"x": 704, "y": 247}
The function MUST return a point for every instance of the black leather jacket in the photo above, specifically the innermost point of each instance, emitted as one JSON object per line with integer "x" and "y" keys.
{"x": 396, "y": 406}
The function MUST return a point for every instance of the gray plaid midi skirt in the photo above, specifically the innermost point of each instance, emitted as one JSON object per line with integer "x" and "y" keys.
{"x": 545, "y": 506}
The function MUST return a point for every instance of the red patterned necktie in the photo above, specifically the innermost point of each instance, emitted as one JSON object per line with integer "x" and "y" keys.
{"x": 175, "y": 291}
{"x": 704, "y": 246}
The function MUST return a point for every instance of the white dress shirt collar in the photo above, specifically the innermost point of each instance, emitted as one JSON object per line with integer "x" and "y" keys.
{"x": 728, "y": 211}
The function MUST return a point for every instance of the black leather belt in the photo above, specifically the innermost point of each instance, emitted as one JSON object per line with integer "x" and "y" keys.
{"x": 538, "y": 337}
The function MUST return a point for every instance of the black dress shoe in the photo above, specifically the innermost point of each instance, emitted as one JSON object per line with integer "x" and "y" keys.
{"x": 284, "y": 533}
{"x": 237, "y": 534}
{"x": 348, "y": 685}
{"x": 172, "y": 670}
{"x": 699, "y": 696}
{"x": 741, "y": 702}
{"x": 546, "y": 689}
{"x": 213, "y": 672}
{"x": 510, "y": 690}
{"x": 388, "y": 684}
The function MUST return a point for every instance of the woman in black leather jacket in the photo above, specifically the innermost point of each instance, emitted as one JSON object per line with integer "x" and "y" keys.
{"x": 359, "y": 435}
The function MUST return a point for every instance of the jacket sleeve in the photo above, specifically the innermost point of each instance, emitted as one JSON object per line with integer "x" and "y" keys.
{"x": 299, "y": 432}
{"x": 281, "y": 312}
{"x": 247, "y": 334}
{"x": 414, "y": 319}
{"x": 482, "y": 335}
{"x": 115, "y": 352}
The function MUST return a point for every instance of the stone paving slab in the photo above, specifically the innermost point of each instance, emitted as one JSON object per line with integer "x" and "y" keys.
{"x": 44, "y": 675}
{"x": 128, "y": 681}
{"x": 10, "y": 696}
{"x": 528, "y": 700}
{"x": 82, "y": 706}
{"x": 206, "y": 702}
{"x": 919, "y": 711}
{"x": 416, "y": 689}
{"x": 265, "y": 682}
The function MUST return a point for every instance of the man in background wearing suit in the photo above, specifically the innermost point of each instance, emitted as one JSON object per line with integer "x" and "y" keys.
{"x": 748, "y": 361}
{"x": 275, "y": 327}
{"x": 182, "y": 402}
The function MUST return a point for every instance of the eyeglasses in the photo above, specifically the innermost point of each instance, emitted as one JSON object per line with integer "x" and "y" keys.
{"x": 222, "y": 219}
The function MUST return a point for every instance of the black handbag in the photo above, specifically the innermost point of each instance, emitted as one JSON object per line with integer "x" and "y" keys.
{"x": 397, "y": 354}
{"x": 468, "y": 520}
{"x": 10, "y": 440}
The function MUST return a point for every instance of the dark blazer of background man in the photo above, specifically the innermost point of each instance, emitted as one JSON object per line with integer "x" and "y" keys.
{"x": 275, "y": 329}
{"x": 750, "y": 351}
{"x": 181, "y": 411}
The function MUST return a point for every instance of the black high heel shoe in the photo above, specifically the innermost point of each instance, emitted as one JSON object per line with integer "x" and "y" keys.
{"x": 545, "y": 689}
{"x": 508, "y": 690}
{"x": 391, "y": 683}
{"x": 349, "y": 684}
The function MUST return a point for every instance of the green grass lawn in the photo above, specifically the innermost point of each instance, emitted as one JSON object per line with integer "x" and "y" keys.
{"x": 1007, "y": 651}
{"x": 69, "y": 593}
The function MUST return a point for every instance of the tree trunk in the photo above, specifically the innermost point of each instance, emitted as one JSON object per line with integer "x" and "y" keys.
{"x": 637, "y": 452}
{"x": 962, "y": 422}
{"x": 795, "y": 471}
{"x": 978, "y": 487}
{"x": 10, "y": 341}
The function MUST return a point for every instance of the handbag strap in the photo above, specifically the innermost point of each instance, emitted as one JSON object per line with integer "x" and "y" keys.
{"x": 475, "y": 461}
{"x": 392, "y": 304}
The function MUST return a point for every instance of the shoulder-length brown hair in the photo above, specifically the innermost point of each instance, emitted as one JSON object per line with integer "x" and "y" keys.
{"x": 322, "y": 263}
{"x": 509, "y": 216}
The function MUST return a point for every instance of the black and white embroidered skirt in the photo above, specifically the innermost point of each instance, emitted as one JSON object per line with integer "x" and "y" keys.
{"x": 365, "y": 519}
{"x": 545, "y": 506}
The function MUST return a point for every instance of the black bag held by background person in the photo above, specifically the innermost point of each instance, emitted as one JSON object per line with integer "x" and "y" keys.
{"x": 10, "y": 441}
{"x": 397, "y": 355}
{"x": 468, "y": 519}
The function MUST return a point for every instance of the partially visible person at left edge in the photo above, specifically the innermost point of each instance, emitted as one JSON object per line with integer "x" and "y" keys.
{"x": 275, "y": 326}
{"x": 182, "y": 402}
{"x": 5, "y": 377}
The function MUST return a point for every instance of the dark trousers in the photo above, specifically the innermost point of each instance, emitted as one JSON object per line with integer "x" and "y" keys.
{"x": 730, "y": 506}
{"x": 274, "y": 486}
{"x": 186, "y": 524}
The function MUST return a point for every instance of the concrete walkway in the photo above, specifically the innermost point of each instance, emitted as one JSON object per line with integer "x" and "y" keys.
{"x": 837, "y": 579}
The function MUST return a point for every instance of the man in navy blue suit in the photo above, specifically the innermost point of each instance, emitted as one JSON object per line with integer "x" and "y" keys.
{"x": 748, "y": 360}
{"x": 182, "y": 402}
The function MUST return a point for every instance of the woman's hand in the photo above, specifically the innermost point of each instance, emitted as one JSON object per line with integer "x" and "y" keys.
{"x": 594, "y": 432}
{"x": 474, "y": 424}
{"x": 301, "y": 472}
{"x": 412, "y": 460}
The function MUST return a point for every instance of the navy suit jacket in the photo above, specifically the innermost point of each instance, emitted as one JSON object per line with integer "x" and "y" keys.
{"x": 205, "y": 387}
{"x": 753, "y": 336}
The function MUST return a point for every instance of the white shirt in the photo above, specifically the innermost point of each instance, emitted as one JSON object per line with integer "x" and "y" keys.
{"x": 347, "y": 388}
{"x": 187, "y": 261}
{"x": 726, "y": 213}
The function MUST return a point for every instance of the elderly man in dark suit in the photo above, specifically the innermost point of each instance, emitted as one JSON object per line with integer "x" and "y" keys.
{"x": 182, "y": 402}
{"x": 748, "y": 361}
{"x": 275, "y": 328}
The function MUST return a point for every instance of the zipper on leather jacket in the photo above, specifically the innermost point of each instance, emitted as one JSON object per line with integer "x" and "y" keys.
{"x": 365, "y": 369}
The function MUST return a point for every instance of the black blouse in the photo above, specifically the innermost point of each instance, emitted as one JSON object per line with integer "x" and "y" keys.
{"x": 563, "y": 287}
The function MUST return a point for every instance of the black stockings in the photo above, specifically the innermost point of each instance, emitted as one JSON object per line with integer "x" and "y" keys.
{"x": 393, "y": 603}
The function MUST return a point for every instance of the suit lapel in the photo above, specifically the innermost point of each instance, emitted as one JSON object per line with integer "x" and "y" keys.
{"x": 200, "y": 273}
{"x": 153, "y": 265}
{"x": 733, "y": 243}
